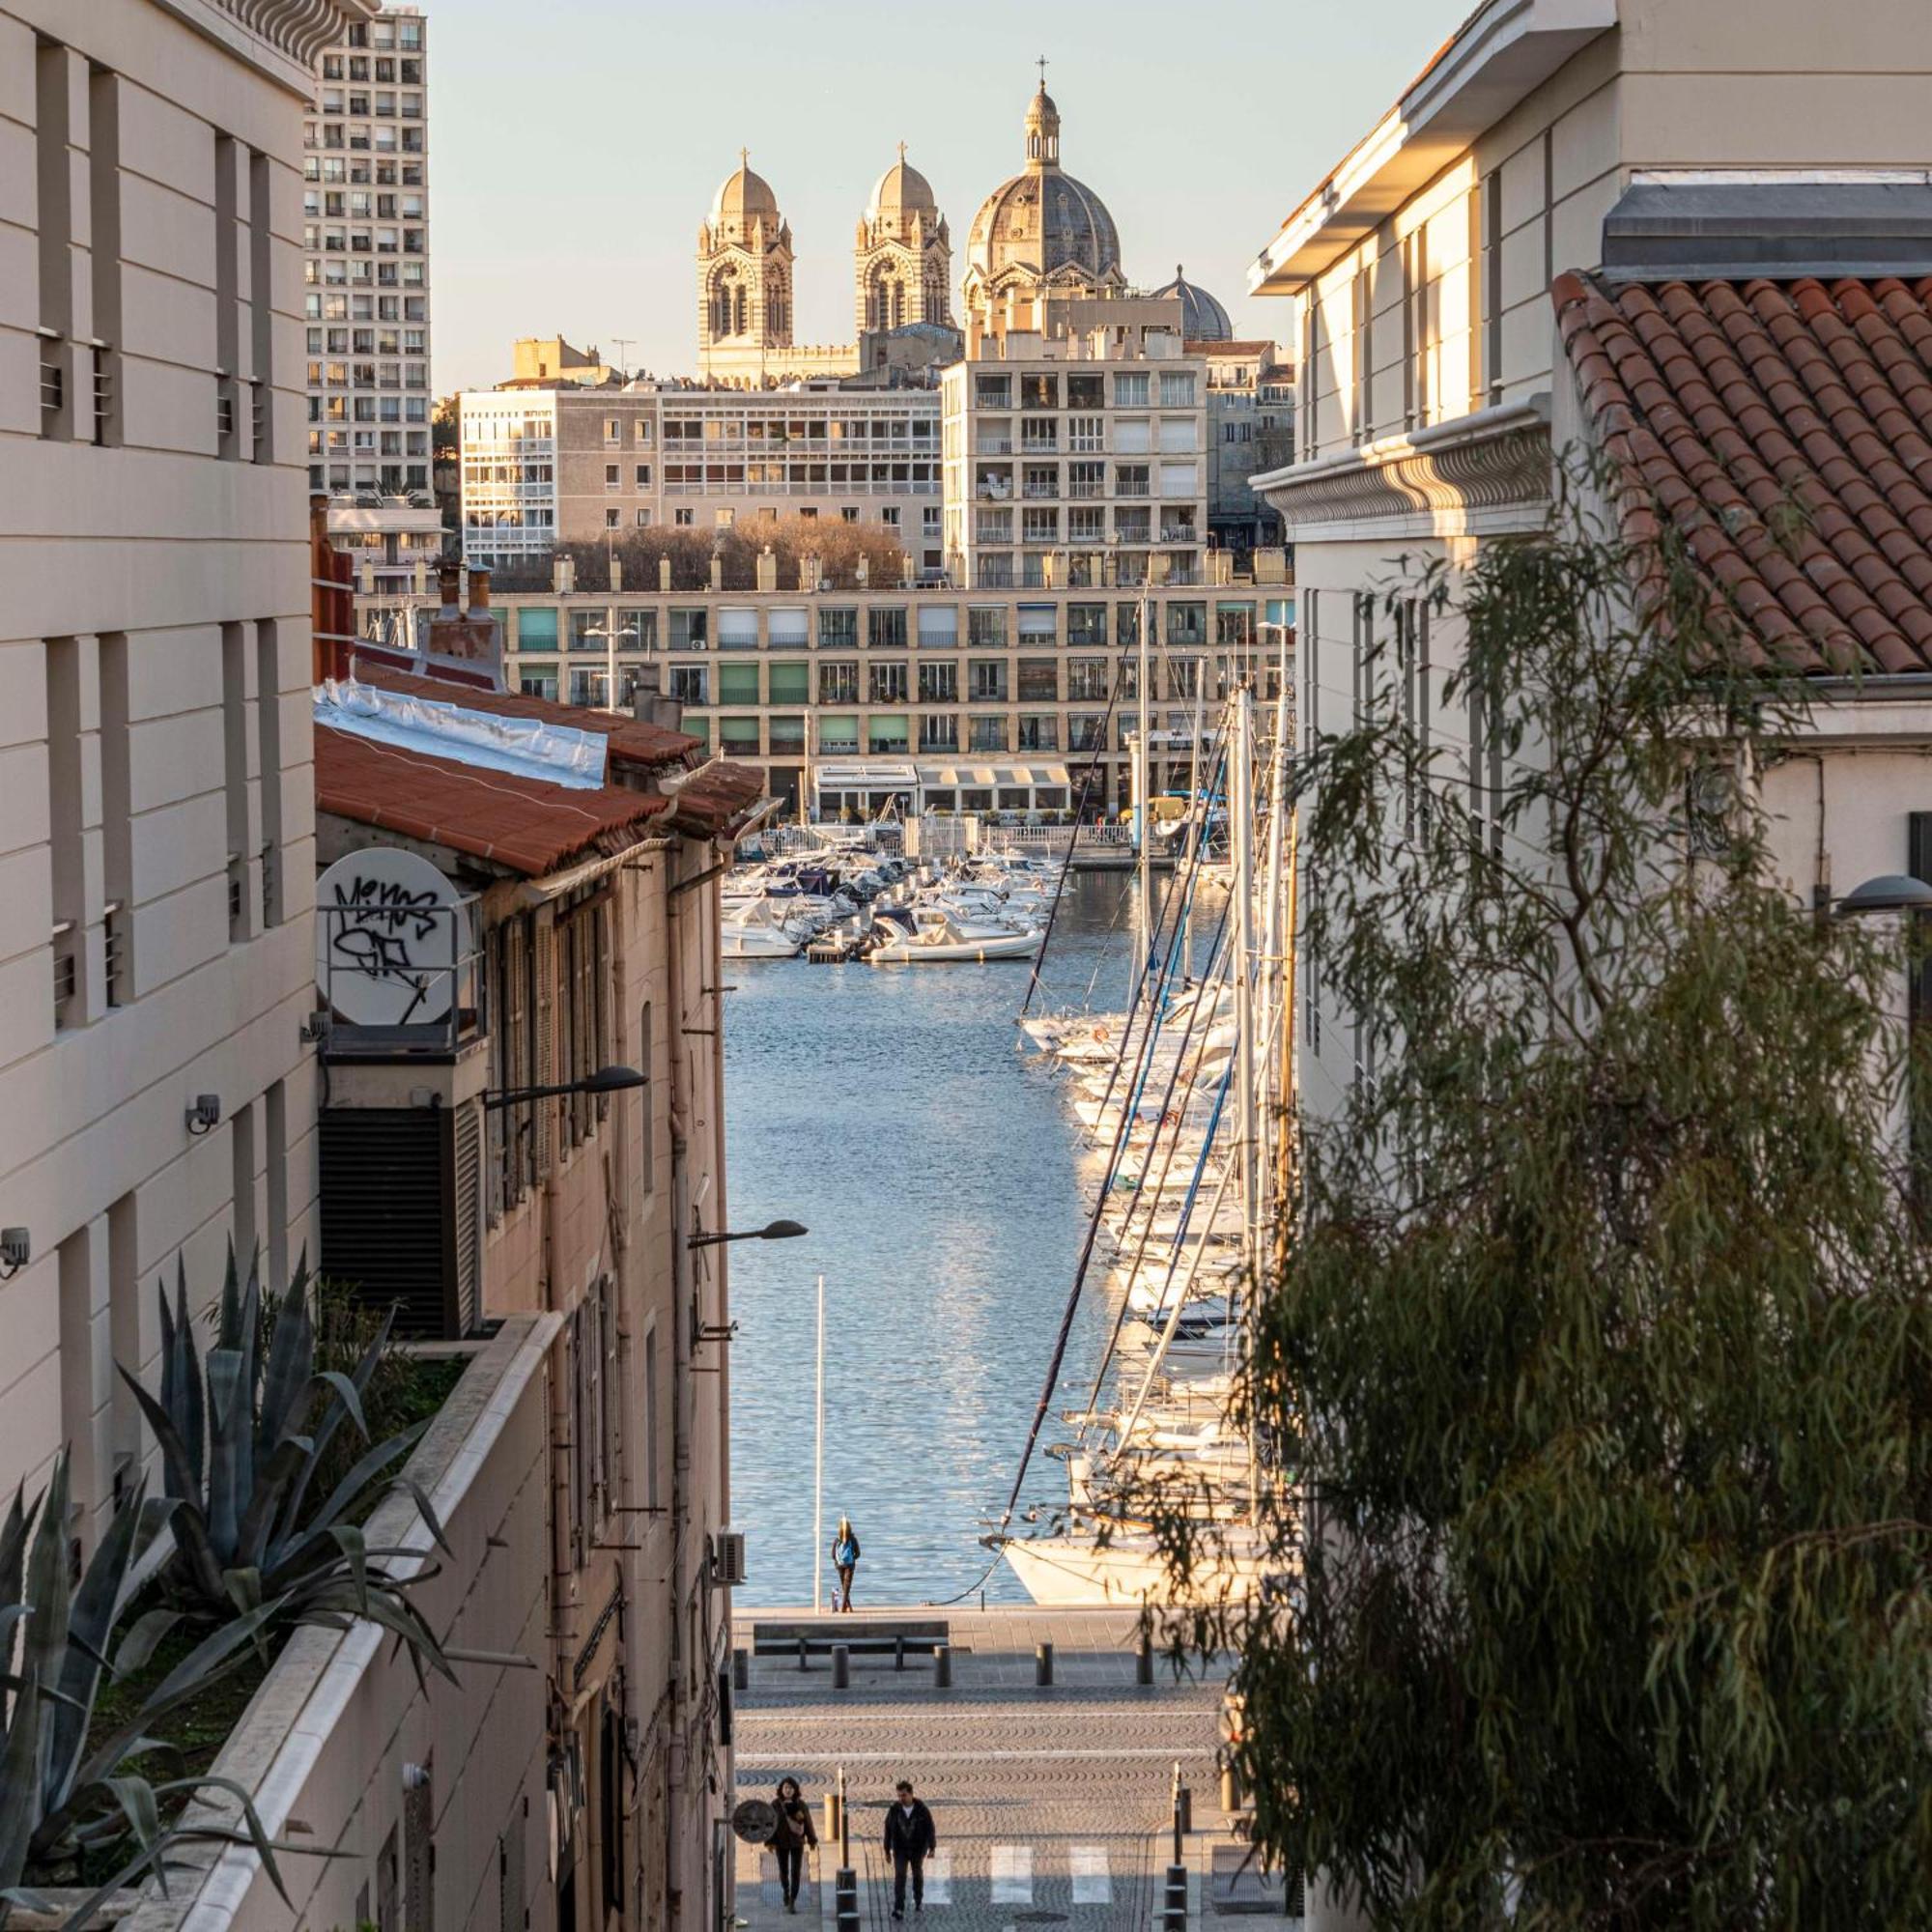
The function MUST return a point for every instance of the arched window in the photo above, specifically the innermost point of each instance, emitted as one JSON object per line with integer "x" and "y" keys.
{"x": 728, "y": 306}
{"x": 777, "y": 309}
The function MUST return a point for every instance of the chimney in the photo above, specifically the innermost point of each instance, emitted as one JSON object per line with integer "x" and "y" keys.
{"x": 768, "y": 569}
{"x": 810, "y": 571}
{"x": 905, "y": 572}
{"x": 664, "y": 573}
{"x": 617, "y": 576}
{"x": 648, "y": 704}
{"x": 479, "y": 592}
{"x": 447, "y": 574}
{"x": 865, "y": 571}
{"x": 718, "y": 573}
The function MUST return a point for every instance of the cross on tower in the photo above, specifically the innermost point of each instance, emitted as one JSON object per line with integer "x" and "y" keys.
{"x": 1042, "y": 64}
{"x": 744, "y": 157}
{"x": 901, "y": 150}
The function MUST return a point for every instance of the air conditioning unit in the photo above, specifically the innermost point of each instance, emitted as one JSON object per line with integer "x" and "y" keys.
{"x": 728, "y": 1558}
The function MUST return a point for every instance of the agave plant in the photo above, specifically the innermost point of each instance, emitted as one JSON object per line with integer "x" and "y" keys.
{"x": 67, "y": 1797}
{"x": 242, "y": 1436}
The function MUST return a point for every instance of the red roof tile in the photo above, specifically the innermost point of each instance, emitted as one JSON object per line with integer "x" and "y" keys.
{"x": 1784, "y": 430}
{"x": 716, "y": 795}
{"x": 630, "y": 741}
{"x": 522, "y": 824}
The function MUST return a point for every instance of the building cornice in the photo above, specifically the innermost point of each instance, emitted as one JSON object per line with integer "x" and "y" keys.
{"x": 1481, "y": 474}
{"x": 1504, "y": 51}
{"x": 282, "y": 38}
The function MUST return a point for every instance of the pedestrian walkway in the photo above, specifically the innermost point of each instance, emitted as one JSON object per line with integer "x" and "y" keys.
{"x": 1053, "y": 1804}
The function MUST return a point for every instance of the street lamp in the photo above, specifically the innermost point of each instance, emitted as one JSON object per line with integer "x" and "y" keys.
{"x": 606, "y": 1080}
{"x": 1889, "y": 892}
{"x": 773, "y": 1231}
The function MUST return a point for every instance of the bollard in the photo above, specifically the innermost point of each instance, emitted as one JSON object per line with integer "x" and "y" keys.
{"x": 898, "y": 1651}
{"x": 1174, "y": 1907}
{"x": 804, "y": 1655}
{"x": 1143, "y": 1662}
{"x": 845, "y": 1899}
{"x": 942, "y": 1666}
{"x": 1042, "y": 1665}
{"x": 741, "y": 1670}
{"x": 832, "y": 1817}
{"x": 1183, "y": 1810}
{"x": 1230, "y": 1786}
{"x": 841, "y": 1666}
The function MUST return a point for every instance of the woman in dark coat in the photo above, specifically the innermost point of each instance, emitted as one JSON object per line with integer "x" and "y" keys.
{"x": 791, "y": 1835}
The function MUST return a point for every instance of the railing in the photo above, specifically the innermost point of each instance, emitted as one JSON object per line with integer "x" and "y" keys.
{"x": 399, "y": 978}
{"x": 114, "y": 951}
{"x": 67, "y": 970}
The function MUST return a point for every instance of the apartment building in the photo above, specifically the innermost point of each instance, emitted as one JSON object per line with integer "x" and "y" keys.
{"x": 543, "y": 467}
{"x": 479, "y": 1164}
{"x": 1250, "y": 427}
{"x": 1026, "y": 692}
{"x": 365, "y": 259}
{"x": 156, "y": 1094}
{"x": 1078, "y": 459}
{"x": 1627, "y": 225}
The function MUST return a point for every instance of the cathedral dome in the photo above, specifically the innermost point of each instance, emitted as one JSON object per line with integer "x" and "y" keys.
{"x": 745, "y": 197}
{"x": 901, "y": 193}
{"x": 1202, "y": 319}
{"x": 1043, "y": 219}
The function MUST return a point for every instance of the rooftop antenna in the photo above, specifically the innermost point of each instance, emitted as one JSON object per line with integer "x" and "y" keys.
{"x": 623, "y": 342}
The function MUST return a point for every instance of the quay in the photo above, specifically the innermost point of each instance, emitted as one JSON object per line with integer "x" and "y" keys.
{"x": 1054, "y": 1802}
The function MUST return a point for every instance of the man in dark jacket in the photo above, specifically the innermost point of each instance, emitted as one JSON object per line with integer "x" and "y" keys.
{"x": 910, "y": 1840}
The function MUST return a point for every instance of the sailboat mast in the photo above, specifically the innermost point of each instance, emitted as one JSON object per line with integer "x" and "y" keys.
{"x": 1241, "y": 827}
{"x": 1142, "y": 781}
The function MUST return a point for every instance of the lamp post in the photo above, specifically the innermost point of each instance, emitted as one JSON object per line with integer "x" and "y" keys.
{"x": 606, "y": 1080}
{"x": 772, "y": 1231}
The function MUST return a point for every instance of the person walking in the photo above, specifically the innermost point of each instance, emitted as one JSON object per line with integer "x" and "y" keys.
{"x": 910, "y": 1840}
{"x": 844, "y": 1560}
{"x": 791, "y": 1836}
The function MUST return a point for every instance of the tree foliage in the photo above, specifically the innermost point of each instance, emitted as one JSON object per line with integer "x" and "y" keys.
{"x": 1605, "y": 1347}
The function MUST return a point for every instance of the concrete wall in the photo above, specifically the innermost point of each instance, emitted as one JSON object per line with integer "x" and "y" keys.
{"x": 154, "y": 665}
{"x": 328, "y": 1743}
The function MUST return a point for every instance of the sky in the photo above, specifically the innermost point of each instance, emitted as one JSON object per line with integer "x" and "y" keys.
{"x": 576, "y": 145}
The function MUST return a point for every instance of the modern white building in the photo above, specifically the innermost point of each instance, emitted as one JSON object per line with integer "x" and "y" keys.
{"x": 156, "y": 845}
{"x": 366, "y": 298}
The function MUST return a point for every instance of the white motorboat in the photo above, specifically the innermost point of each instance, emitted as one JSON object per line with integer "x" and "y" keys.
{"x": 1128, "y": 1567}
{"x": 938, "y": 939}
{"x": 766, "y": 929}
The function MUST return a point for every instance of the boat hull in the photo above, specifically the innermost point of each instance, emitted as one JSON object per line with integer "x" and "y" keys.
{"x": 1078, "y": 1570}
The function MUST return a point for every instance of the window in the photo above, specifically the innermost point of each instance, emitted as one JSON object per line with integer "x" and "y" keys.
{"x": 1086, "y": 392}
{"x": 737, "y": 737}
{"x": 789, "y": 683}
{"x": 688, "y": 628}
{"x": 939, "y": 683}
{"x": 1176, "y": 433}
{"x": 613, "y": 430}
{"x": 1131, "y": 435}
{"x": 838, "y": 629}
{"x": 885, "y": 627}
{"x": 689, "y": 683}
{"x": 643, "y": 472}
{"x": 1040, "y": 733}
{"x": 987, "y": 627}
{"x": 938, "y": 732}
{"x": 986, "y": 734}
{"x": 1179, "y": 479}
{"x": 938, "y": 625}
{"x": 888, "y": 684}
{"x": 789, "y": 628}
{"x": 537, "y": 678}
{"x": 1038, "y": 680}
{"x": 988, "y": 677}
{"x": 1187, "y": 623}
{"x": 838, "y": 732}
{"x": 888, "y": 731}
{"x": 837, "y": 683}
{"x": 738, "y": 684}
{"x": 1177, "y": 388}
{"x": 683, "y": 517}
{"x": 643, "y": 519}
{"x": 613, "y": 518}
{"x": 1130, "y": 389}
{"x": 737, "y": 628}
{"x": 1087, "y": 679}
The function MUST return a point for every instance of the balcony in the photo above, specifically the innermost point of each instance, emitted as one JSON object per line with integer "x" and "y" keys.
{"x": 399, "y": 992}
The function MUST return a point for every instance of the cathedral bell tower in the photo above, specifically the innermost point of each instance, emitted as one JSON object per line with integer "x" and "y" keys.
{"x": 903, "y": 261}
{"x": 744, "y": 279}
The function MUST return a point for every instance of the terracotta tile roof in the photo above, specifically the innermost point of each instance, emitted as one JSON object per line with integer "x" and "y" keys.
{"x": 717, "y": 794}
{"x": 631, "y": 742}
{"x": 522, "y": 824}
{"x": 1784, "y": 429}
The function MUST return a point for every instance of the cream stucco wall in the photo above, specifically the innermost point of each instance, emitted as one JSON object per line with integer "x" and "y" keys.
{"x": 154, "y": 665}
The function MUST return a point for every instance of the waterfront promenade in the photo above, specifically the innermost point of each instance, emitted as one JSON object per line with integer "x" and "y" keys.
{"x": 1053, "y": 1804}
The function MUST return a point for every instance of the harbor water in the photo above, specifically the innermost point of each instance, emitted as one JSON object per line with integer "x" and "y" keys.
{"x": 890, "y": 1109}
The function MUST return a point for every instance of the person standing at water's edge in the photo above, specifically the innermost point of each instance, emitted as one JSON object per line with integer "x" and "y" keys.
{"x": 791, "y": 1836}
{"x": 844, "y": 1560}
{"x": 911, "y": 1838}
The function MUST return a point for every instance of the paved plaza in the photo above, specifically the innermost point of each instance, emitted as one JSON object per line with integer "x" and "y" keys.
{"x": 1053, "y": 1806}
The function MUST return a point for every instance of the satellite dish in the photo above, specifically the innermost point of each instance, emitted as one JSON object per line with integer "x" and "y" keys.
{"x": 390, "y": 931}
